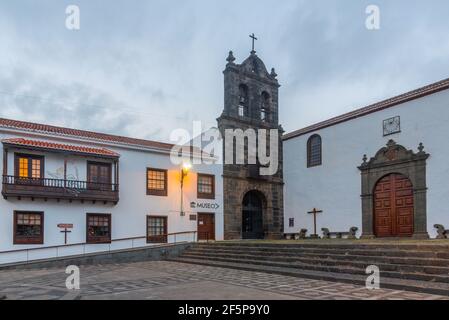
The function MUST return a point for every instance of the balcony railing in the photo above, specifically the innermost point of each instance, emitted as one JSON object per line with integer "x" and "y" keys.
{"x": 59, "y": 189}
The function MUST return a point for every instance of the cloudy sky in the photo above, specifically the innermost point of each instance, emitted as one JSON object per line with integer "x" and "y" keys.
{"x": 145, "y": 67}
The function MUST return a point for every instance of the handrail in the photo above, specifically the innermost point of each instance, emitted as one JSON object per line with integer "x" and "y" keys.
{"x": 59, "y": 183}
{"x": 86, "y": 243}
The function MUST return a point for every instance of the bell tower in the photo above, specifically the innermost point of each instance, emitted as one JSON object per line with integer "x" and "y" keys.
{"x": 253, "y": 203}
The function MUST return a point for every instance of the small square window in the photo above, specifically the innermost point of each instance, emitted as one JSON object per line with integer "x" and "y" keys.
{"x": 98, "y": 228}
{"x": 156, "y": 229}
{"x": 28, "y": 227}
{"x": 157, "y": 182}
{"x": 206, "y": 186}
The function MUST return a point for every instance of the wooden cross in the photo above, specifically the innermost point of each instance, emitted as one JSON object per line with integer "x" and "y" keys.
{"x": 314, "y": 212}
{"x": 65, "y": 231}
{"x": 252, "y": 36}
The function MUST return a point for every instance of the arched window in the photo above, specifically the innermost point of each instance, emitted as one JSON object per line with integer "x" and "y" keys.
{"x": 243, "y": 101}
{"x": 314, "y": 151}
{"x": 265, "y": 107}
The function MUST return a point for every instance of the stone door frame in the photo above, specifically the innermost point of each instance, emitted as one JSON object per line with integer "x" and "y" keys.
{"x": 395, "y": 158}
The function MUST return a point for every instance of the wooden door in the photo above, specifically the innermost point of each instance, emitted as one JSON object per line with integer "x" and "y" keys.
{"x": 393, "y": 207}
{"x": 99, "y": 176}
{"x": 206, "y": 226}
{"x": 252, "y": 217}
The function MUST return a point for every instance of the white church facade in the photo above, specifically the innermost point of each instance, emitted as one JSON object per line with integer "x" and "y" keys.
{"x": 383, "y": 169}
{"x": 109, "y": 192}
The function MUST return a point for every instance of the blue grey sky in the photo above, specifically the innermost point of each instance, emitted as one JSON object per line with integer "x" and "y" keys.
{"x": 143, "y": 68}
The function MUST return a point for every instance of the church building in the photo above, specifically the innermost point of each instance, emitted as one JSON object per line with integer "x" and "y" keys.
{"x": 382, "y": 168}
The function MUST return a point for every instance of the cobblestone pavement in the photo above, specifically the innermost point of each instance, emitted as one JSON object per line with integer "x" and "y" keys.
{"x": 171, "y": 280}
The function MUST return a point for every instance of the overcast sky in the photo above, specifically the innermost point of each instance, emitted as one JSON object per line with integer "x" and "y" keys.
{"x": 143, "y": 68}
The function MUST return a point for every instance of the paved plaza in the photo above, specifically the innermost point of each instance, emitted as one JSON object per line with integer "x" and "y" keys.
{"x": 165, "y": 280}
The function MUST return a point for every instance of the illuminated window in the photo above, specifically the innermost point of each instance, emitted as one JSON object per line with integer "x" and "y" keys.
{"x": 23, "y": 167}
{"x": 29, "y": 166}
{"x": 156, "y": 229}
{"x": 157, "y": 182}
{"x": 28, "y": 227}
{"x": 98, "y": 228}
{"x": 206, "y": 186}
{"x": 35, "y": 168}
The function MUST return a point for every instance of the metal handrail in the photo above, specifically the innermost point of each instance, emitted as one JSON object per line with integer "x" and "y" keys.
{"x": 60, "y": 183}
{"x": 84, "y": 244}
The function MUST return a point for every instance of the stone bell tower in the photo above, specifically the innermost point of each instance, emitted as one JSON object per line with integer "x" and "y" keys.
{"x": 253, "y": 203}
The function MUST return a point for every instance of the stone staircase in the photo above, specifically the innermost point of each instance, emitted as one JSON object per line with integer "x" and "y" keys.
{"x": 420, "y": 267}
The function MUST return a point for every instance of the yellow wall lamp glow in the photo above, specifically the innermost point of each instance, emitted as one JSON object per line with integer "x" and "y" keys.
{"x": 186, "y": 167}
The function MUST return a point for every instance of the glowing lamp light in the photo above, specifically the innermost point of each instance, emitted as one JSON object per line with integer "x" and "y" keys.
{"x": 184, "y": 172}
{"x": 186, "y": 167}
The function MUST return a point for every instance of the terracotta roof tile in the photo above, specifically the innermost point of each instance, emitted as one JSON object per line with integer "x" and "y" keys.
{"x": 59, "y": 146}
{"x": 412, "y": 95}
{"x": 42, "y": 128}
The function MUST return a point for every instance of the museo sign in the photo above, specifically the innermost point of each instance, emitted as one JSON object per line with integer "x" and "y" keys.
{"x": 204, "y": 205}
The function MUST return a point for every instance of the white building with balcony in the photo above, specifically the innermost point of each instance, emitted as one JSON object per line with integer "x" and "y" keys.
{"x": 111, "y": 192}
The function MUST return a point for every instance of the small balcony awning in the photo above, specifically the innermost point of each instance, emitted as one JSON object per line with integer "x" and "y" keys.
{"x": 58, "y": 147}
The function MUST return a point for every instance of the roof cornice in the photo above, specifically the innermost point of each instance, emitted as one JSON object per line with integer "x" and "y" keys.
{"x": 385, "y": 104}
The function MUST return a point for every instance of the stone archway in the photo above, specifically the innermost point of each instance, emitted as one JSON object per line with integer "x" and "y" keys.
{"x": 252, "y": 216}
{"x": 395, "y": 159}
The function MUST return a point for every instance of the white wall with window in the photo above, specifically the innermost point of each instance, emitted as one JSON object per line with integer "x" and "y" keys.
{"x": 334, "y": 183}
{"x": 128, "y": 217}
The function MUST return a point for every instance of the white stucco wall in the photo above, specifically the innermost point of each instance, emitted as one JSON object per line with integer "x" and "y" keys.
{"x": 128, "y": 216}
{"x": 335, "y": 187}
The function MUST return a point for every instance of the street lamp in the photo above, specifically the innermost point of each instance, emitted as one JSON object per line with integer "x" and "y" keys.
{"x": 184, "y": 172}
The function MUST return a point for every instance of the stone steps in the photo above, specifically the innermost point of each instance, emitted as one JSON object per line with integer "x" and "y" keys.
{"x": 408, "y": 251}
{"x": 430, "y": 287}
{"x": 336, "y": 268}
{"x": 418, "y": 264}
{"x": 400, "y": 266}
{"x": 343, "y": 255}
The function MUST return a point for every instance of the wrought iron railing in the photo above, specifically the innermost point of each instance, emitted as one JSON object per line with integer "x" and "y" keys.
{"x": 59, "y": 183}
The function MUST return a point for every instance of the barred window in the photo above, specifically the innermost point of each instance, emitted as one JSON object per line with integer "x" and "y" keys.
{"x": 98, "y": 228}
{"x": 206, "y": 186}
{"x": 314, "y": 151}
{"x": 157, "y": 182}
{"x": 156, "y": 229}
{"x": 28, "y": 227}
{"x": 291, "y": 222}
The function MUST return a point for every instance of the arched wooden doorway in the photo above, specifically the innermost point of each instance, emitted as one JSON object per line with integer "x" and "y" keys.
{"x": 252, "y": 216}
{"x": 393, "y": 207}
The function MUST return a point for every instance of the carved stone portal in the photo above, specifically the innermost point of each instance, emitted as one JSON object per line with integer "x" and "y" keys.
{"x": 391, "y": 159}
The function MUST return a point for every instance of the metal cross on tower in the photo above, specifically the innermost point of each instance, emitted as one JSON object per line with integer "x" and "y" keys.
{"x": 252, "y": 36}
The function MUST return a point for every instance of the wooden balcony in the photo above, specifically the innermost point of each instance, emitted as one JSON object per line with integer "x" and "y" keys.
{"x": 59, "y": 189}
